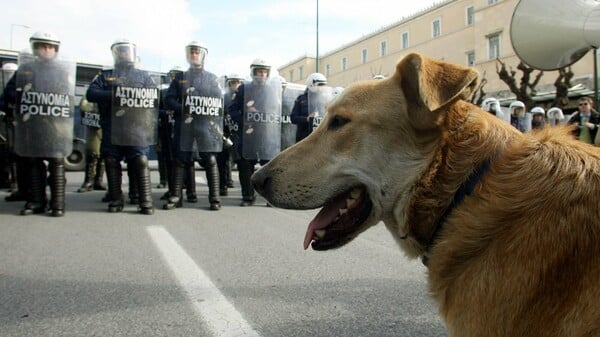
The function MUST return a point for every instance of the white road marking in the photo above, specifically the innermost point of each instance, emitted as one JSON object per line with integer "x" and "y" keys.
{"x": 209, "y": 303}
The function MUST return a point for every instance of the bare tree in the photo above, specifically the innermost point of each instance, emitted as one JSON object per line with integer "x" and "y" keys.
{"x": 479, "y": 93}
{"x": 525, "y": 89}
{"x": 562, "y": 84}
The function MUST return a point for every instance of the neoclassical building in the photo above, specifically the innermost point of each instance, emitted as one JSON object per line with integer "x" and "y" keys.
{"x": 470, "y": 32}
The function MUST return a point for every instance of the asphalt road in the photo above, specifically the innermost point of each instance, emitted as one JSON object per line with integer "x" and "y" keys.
{"x": 240, "y": 271}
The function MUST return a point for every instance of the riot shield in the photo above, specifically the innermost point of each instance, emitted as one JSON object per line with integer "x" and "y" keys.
{"x": 317, "y": 102}
{"x": 90, "y": 115}
{"x": 134, "y": 114}
{"x": 202, "y": 118}
{"x": 261, "y": 133}
{"x": 45, "y": 107}
{"x": 288, "y": 130}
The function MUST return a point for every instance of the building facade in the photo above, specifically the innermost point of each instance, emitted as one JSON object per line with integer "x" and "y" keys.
{"x": 473, "y": 33}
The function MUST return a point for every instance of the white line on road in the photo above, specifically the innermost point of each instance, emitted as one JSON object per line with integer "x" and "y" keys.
{"x": 213, "y": 307}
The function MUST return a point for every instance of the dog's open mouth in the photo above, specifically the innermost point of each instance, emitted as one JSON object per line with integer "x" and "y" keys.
{"x": 338, "y": 220}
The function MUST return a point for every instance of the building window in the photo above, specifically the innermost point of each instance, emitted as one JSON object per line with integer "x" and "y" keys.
{"x": 471, "y": 58}
{"x": 344, "y": 63}
{"x": 382, "y": 48}
{"x": 292, "y": 75}
{"x": 363, "y": 56}
{"x": 491, "y": 2}
{"x": 301, "y": 72}
{"x": 436, "y": 27}
{"x": 405, "y": 40}
{"x": 493, "y": 46}
{"x": 470, "y": 19}
{"x": 327, "y": 70}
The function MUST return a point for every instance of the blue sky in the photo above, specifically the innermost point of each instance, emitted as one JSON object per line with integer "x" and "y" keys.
{"x": 235, "y": 32}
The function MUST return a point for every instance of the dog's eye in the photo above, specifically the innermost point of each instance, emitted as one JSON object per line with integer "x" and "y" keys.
{"x": 337, "y": 122}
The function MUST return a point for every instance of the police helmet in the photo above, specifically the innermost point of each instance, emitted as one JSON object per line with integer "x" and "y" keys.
{"x": 538, "y": 110}
{"x": 234, "y": 77}
{"x": 555, "y": 113}
{"x": 314, "y": 80}
{"x": 123, "y": 52}
{"x": 260, "y": 64}
{"x": 489, "y": 102}
{"x": 9, "y": 66}
{"x": 44, "y": 37}
{"x": 198, "y": 47}
{"x": 174, "y": 71}
{"x": 516, "y": 104}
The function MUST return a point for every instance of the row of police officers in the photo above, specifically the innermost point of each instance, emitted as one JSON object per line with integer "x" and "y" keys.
{"x": 248, "y": 123}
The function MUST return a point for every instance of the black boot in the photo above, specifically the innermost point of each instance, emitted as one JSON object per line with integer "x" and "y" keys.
{"x": 23, "y": 174}
{"x": 57, "y": 182}
{"x": 245, "y": 170}
{"x": 134, "y": 193}
{"x": 98, "y": 184}
{"x": 37, "y": 201}
{"x": 142, "y": 172}
{"x": 212, "y": 179}
{"x": 190, "y": 186}
{"x": 176, "y": 189}
{"x": 90, "y": 170}
{"x": 114, "y": 179}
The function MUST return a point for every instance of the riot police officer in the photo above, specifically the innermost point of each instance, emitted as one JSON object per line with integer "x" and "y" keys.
{"x": 10, "y": 162}
{"x": 197, "y": 100}
{"x": 127, "y": 99}
{"x": 43, "y": 89}
{"x": 164, "y": 147}
{"x": 94, "y": 164}
{"x": 224, "y": 158}
{"x": 300, "y": 112}
{"x": 256, "y": 110}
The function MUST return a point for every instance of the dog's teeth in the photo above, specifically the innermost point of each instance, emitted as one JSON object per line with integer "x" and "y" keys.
{"x": 320, "y": 233}
{"x": 355, "y": 193}
{"x": 342, "y": 211}
{"x": 350, "y": 202}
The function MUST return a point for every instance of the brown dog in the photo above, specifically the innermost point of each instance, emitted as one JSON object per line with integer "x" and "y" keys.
{"x": 508, "y": 223}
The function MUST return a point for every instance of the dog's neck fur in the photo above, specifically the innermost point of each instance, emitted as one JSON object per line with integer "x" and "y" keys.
{"x": 463, "y": 148}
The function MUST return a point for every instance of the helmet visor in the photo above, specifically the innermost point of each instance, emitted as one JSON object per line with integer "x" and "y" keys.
{"x": 195, "y": 56}
{"x": 123, "y": 53}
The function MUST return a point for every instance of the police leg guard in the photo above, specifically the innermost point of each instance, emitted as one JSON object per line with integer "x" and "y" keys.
{"x": 114, "y": 179}
{"x": 169, "y": 172}
{"x": 176, "y": 195}
{"x": 142, "y": 172}
{"x": 100, "y": 167}
{"x": 246, "y": 168}
{"x": 162, "y": 170}
{"x": 222, "y": 164}
{"x": 57, "y": 184}
{"x": 36, "y": 201}
{"x": 190, "y": 185}
{"x": 90, "y": 170}
{"x": 134, "y": 193}
{"x": 212, "y": 179}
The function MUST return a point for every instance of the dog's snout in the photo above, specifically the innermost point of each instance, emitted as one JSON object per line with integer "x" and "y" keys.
{"x": 261, "y": 181}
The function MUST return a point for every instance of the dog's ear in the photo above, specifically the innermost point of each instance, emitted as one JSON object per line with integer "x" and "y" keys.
{"x": 431, "y": 84}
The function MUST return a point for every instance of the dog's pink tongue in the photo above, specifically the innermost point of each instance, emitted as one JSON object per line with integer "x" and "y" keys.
{"x": 324, "y": 218}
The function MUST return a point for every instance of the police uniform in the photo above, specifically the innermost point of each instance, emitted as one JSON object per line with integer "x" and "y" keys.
{"x": 207, "y": 83}
{"x": 49, "y": 77}
{"x": 100, "y": 92}
{"x": 298, "y": 117}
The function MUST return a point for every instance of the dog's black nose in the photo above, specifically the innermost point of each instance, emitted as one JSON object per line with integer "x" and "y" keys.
{"x": 261, "y": 180}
